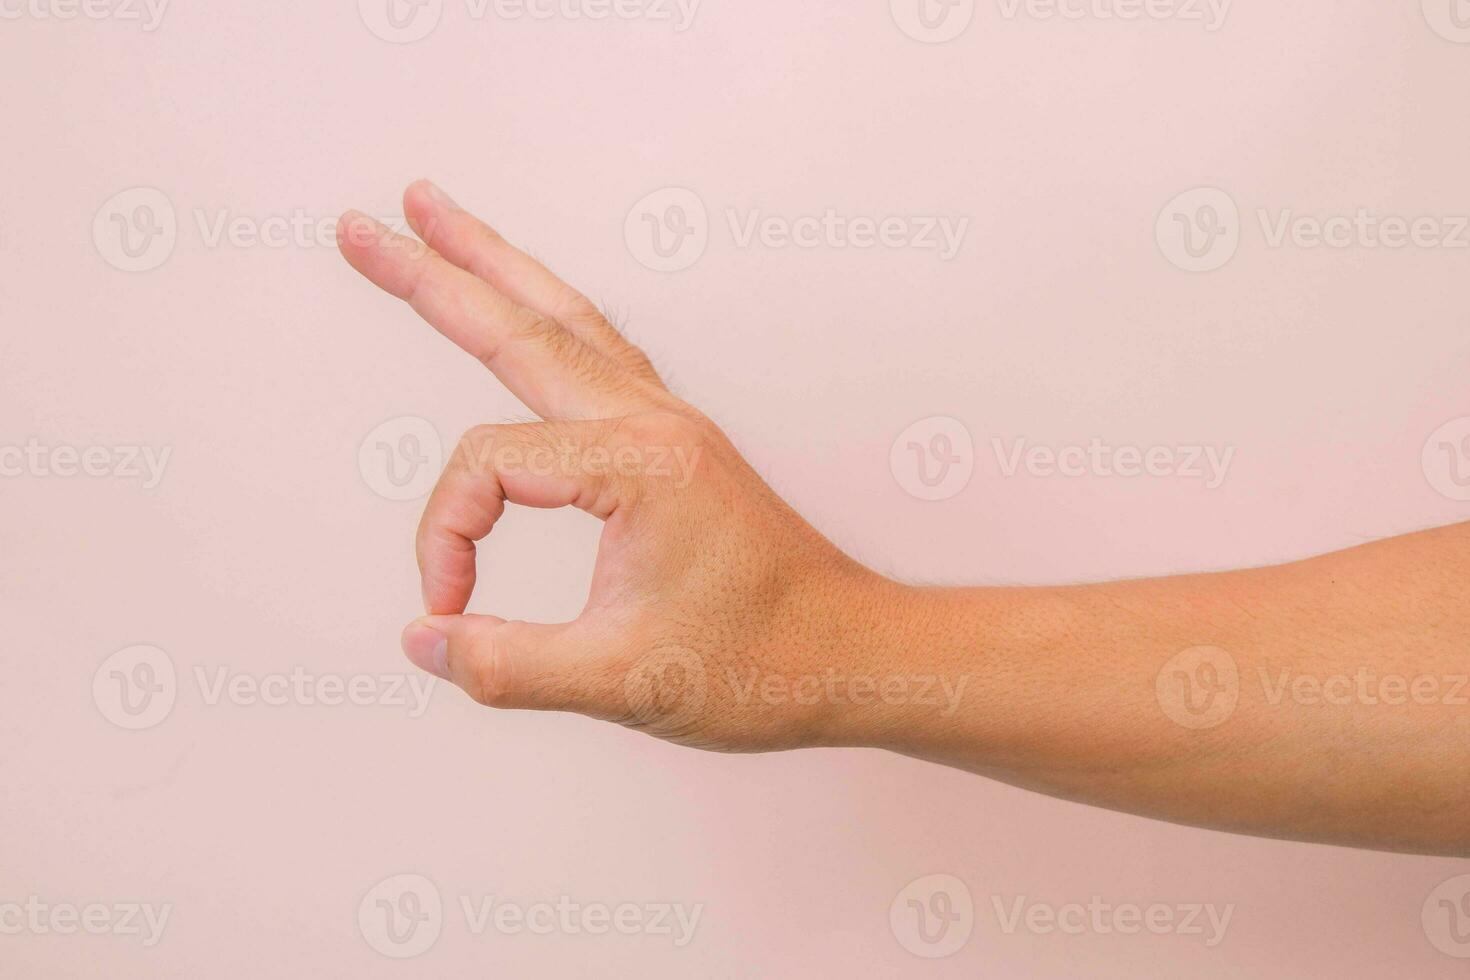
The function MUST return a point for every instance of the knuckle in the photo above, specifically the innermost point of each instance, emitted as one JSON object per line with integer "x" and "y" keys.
{"x": 655, "y": 454}
{"x": 577, "y": 309}
{"x": 668, "y": 429}
{"x": 479, "y": 435}
{"x": 639, "y": 430}
{"x": 475, "y": 439}
{"x": 488, "y": 677}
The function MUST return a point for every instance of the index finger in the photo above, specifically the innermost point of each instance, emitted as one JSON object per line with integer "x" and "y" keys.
{"x": 553, "y": 372}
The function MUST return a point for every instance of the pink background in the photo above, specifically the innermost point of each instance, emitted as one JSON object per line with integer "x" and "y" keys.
{"x": 263, "y": 369}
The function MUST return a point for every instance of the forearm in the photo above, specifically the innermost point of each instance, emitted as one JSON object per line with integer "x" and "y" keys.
{"x": 718, "y": 618}
{"x": 1346, "y": 719}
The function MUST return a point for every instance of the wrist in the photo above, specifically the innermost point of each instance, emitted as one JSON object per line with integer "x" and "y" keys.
{"x": 907, "y": 667}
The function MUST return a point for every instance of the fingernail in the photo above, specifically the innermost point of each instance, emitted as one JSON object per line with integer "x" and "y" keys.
{"x": 437, "y": 195}
{"x": 428, "y": 649}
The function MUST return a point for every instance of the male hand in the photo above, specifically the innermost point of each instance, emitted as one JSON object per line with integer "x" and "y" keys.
{"x": 706, "y": 584}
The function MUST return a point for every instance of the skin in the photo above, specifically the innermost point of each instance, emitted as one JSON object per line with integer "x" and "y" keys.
{"x": 1324, "y": 700}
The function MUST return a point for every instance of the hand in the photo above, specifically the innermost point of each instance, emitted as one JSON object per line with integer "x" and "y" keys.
{"x": 719, "y": 619}
{"x": 707, "y": 585}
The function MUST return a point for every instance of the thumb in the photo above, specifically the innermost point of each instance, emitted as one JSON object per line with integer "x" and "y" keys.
{"x": 508, "y": 664}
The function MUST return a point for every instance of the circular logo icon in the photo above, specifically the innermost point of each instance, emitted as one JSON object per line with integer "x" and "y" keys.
{"x": 668, "y": 230}
{"x": 933, "y": 916}
{"x": 932, "y": 21}
{"x": 1199, "y": 231}
{"x": 136, "y": 688}
{"x": 1447, "y": 459}
{"x": 136, "y": 229}
{"x": 667, "y": 690}
{"x": 1446, "y": 917}
{"x": 933, "y": 459}
{"x": 1199, "y": 688}
{"x": 401, "y": 21}
{"x": 402, "y": 916}
{"x": 1449, "y": 18}
{"x": 401, "y": 459}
